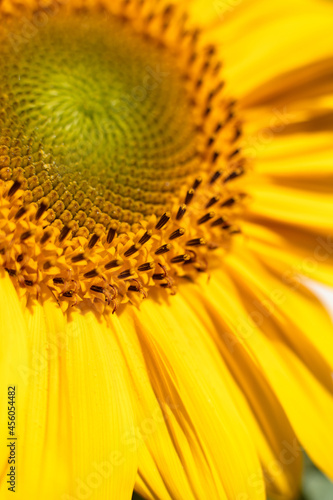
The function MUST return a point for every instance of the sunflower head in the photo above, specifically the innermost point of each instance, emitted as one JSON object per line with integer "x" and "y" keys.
{"x": 124, "y": 168}
{"x": 119, "y": 146}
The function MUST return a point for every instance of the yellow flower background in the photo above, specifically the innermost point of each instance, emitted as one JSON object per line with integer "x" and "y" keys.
{"x": 167, "y": 342}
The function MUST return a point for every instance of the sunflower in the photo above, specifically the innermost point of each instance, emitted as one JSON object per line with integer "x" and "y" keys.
{"x": 166, "y": 177}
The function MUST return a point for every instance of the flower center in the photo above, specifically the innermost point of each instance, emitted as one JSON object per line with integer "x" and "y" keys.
{"x": 97, "y": 122}
{"x": 118, "y": 153}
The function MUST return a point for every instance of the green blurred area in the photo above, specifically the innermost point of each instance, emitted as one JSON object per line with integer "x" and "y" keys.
{"x": 315, "y": 485}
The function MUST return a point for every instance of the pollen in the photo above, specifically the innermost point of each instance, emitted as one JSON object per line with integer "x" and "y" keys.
{"x": 120, "y": 154}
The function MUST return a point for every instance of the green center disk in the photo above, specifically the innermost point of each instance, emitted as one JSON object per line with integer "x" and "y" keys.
{"x": 96, "y": 119}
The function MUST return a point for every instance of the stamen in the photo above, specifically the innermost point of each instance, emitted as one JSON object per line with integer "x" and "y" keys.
{"x": 15, "y": 187}
{"x": 218, "y": 128}
{"x": 46, "y": 236}
{"x": 22, "y": 211}
{"x": 58, "y": 281}
{"x": 206, "y": 218}
{"x": 163, "y": 249}
{"x": 234, "y": 175}
{"x": 196, "y": 242}
{"x": 146, "y": 267}
{"x": 93, "y": 240}
{"x": 113, "y": 263}
{"x": 181, "y": 212}
{"x": 64, "y": 233}
{"x": 26, "y": 235}
{"x": 237, "y": 135}
{"x": 159, "y": 276}
{"x": 216, "y": 176}
{"x": 229, "y": 202}
{"x": 91, "y": 274}
{"x": 132, "y": 250}
{"x": 189, "y": 196}
{"x": 180, "y": 258}
{"x": 111, "y": 235}
{"x": 163, "y": 221}
{"x": 177, "y": 234}
{"x": 234, "y": 153}
{"x": 216, "y": 156}
{"x": 126, "y": 274}
{"x": 41, "y": 210}
{"x": 78, "y": 258}
{"x": 97, "y": 289}
{"x": 11, "y": 272}
{"x": 197, "y": 183}
{"x": 218, "y": 222}
{"x": 212, "y": 201}
{"x": 145, "y": 238}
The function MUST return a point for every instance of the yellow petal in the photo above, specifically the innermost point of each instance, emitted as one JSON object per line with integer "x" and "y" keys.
{"x": 292, "y": 252}
{"x": 302, "y": 160}
{"x": 261, "y": 411}
{"x": 272, "y": 204}
{"x": 78, "y": 409}
{"x": 259, "y": 62}
{"x": 163, "y": 473}
{"x": 206, "y": 428}
{"x": 101, "y": 414}
{"x": 45, "y": 446}
{"x": 305, "y": 93}
{"x": 280, "y": 324}
{"x": 256, "y": 53}
{"x": 13, "y": 364}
